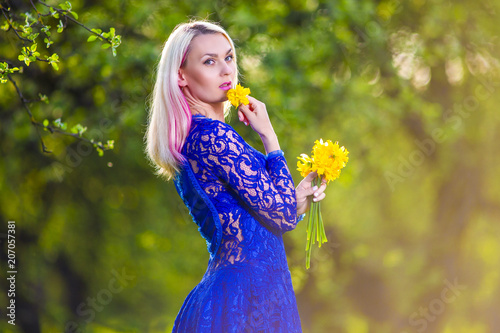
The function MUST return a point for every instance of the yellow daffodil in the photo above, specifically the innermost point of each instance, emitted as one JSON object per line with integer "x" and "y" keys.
{"x": 327, "y": 160}
{"x": 304, "y": 165}
{"x": 238, "y": 95}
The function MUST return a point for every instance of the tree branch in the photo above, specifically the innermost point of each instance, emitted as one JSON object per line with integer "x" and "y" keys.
{"x": 52, "y": 129}
{"x": 32, "y": 119}
{"x": 63, "y": 12}
{"x": 14, "y": 29}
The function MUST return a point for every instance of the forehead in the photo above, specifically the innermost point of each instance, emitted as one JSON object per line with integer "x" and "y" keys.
{"x": 210, "y": 43}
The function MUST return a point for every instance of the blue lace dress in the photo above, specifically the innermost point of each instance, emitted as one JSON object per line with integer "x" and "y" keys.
{"x": 242, "y": 202}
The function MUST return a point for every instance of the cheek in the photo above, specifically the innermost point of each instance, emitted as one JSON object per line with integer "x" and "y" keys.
{"x": 200, "y": 77}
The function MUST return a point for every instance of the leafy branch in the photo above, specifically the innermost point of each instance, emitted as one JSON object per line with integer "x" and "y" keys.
{"x": 28, "y": 30}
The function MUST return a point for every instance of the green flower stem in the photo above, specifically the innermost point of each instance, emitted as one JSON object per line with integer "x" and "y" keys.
{"x": 315, "y": 227}
{"x": 320, "y": 225}
{"x": 323, "y": 233}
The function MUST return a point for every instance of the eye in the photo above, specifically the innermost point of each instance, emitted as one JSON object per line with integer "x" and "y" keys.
{"x": 209, "y": 62}
{"x": 229, "y": 57}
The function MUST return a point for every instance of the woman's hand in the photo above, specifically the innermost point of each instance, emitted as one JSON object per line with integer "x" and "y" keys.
{"x": 304, "y": 191}
{"x": 255, "y": 115}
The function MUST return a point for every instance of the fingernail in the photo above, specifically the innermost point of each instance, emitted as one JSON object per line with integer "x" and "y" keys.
{"x": 316, "y": 194}
{"x": 315, "y": 188}
{"x": 314, "y": 199}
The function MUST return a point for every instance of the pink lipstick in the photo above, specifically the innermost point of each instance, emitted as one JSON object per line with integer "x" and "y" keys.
{"x": 225, "y": 85}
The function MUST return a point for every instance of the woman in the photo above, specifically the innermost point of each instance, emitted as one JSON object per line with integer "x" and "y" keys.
{"x": 242, "y": 200}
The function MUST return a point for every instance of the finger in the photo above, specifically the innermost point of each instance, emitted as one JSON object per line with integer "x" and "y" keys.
{"x": 242, "y": 117}
{"x": 322, "y": 188}
{"x": 253, "y": 103}
{"x": 310, "y": 177}
{"x": 310, "y": 191}
{"x": 252, "y": 99}
{"x": 246, "y": 114}
{"x": 245, "y": 110}
{"x": 319, "y": 197}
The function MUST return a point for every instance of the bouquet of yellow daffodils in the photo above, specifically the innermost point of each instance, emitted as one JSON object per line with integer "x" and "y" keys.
{"x": 327, "y": 160}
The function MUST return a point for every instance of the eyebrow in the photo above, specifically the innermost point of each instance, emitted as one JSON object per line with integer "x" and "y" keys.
{"x": 215, "y": 55}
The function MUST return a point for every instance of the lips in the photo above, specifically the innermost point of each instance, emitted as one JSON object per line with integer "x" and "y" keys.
{"x": 225, "y": 85}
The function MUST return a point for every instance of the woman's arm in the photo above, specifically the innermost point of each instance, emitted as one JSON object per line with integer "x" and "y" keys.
{"x": 267, "y": 190}
{"x": 256, "y": 115}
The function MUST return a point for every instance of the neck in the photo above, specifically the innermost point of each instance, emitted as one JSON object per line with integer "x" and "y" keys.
{"x": 214, "y": 111}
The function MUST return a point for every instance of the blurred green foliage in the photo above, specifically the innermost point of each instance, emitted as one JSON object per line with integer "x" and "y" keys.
{"x": 409, "y": 87}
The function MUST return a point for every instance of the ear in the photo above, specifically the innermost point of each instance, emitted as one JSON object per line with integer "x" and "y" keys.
{"x": 181, "y": 79}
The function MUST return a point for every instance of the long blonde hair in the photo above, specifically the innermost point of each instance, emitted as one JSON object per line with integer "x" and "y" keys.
{"x": 169, "y": 118}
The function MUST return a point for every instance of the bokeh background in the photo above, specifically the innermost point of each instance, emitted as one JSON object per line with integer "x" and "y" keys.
{"x": 411, "y": 88}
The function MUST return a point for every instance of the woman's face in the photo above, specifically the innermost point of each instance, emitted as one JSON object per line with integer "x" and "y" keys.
{"x": 209, "y": 69}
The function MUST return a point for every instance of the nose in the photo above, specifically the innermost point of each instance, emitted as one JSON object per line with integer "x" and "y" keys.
{"x": 227, "y": 69}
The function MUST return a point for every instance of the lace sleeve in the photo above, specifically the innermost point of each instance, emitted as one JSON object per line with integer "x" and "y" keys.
{"x": 267, "y": 189}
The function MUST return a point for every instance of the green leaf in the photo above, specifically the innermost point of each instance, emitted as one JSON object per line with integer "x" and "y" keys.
{"x": 75, "y": 15}
{"x": 97, "y": 31}
{"x": 109, "y": 144}
{"x": 60, "y": 27}
{"x": 64, "y": 6}
{"x": 106, "y": 46}
{"x": 48, "y": 42}
{"x": 43, "y": 98}
{"x": 78, "y": 128}
{"x": 54, "y": 13}
{"x": 91, "y": 38}
{"x": 46, "y": 122}
{"x": 60, "y": 124}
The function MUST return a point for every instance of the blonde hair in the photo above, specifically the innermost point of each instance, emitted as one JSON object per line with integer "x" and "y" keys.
{"x": 169, "y": 118}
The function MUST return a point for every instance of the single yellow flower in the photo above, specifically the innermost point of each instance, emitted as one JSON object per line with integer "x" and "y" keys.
{"x": 238, "y": 95}
{"x": 304, "y": 165}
